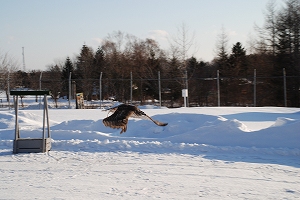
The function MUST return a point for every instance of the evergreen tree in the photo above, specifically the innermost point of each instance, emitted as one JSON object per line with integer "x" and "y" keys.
{"x": 171, "y": 89}
{"x": 237, "y": 60}
{"x": 99, "y": 62}
{"x": 67, "y": 68}
{"x": 84, "y": 72}
{"x": 288, "y": 24}
{"x": 240, "y": 89}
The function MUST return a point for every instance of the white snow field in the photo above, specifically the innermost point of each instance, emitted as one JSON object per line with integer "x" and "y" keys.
{"x": 203, "y": 153}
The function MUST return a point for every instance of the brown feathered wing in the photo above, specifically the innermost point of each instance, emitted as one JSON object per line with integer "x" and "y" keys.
{"x": 121, "y": 113}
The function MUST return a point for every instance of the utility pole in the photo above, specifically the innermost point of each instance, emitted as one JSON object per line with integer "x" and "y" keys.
{"x": 24, "y": 66}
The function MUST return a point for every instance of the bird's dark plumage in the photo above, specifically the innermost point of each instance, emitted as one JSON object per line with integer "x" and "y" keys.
{"x": 121, "y": 113}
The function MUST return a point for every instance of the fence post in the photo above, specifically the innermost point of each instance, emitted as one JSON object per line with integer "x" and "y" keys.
{"x": 254, "y": 89}
{"x": 70, "y": 90}
{"x": 8, "y": 90}
{"x": 131, "y": 88}
{"x": 218, "y": 87}
{"x": 284, "y": 87}
{"x": 40, "y": 84}
{"x": 159, "y": 89}
{"x": 100, "y": 89}
{"x": 187, "y": 87}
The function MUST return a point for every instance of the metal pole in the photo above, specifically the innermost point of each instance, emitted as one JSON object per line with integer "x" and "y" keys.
{"x": 70, "y": 90}
{"x": 218, "y": 87}
{"x": 284, "y": 87}
{"x": 187, "y": 87}
{"x": 16, "y": 102}
{"x": 47, "y": 115}
{"x": 41, "y": 80}
{"x": 100, "y": 89}
{"x": 184, "y": 101}
{"x": 17, "y": 132}
{"x": 8, "y": 90}
{"x": 44, "y": 118}
{"x": 24, "y": 66}
{"x": 130, "y": 87}
{"x": 159, "y": 89}
{"x": 254, "y": 88}
{"x": 40, "y": 89}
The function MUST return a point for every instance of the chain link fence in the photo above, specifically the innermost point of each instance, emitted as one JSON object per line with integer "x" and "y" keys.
{"x": 211, "y": 91}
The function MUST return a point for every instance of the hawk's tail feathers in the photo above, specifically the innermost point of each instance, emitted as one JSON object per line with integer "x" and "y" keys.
{"x": 158, "y": 123}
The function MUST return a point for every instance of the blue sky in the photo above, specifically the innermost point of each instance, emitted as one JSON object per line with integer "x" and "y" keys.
{"x": 50, "y": 31}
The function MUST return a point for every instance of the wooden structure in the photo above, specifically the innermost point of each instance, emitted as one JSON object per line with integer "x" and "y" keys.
{"x": 31, "y": 145}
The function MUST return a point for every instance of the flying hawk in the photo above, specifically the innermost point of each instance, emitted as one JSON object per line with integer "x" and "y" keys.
{"x": 121, "y": 113}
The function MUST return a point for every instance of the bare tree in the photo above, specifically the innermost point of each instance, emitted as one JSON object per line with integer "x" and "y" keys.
{"x": 182, "y": 43}
{"x": 268, "y": 33}
{"x": 53, "y": 81}
{"x": 117, "y": 37}
{"x": 7, "y": 65}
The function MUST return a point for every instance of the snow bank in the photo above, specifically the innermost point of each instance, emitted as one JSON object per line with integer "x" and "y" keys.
{"x": 187, "y": 129}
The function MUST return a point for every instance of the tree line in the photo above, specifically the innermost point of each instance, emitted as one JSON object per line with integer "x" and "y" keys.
{"x": 122, "y": 58}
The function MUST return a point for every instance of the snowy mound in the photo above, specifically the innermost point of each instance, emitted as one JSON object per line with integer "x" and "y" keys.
{"x": 201, "y": 126}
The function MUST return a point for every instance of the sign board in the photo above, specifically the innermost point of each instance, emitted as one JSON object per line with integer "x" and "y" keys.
{"x": 184, "y": 92}
{"x": 79, "y": 101}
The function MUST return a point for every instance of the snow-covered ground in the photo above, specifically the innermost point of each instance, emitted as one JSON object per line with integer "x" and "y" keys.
{"x": 204, "y": 152}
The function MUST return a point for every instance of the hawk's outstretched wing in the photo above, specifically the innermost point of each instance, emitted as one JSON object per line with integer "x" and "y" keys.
{"x": 119, "y": 118}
